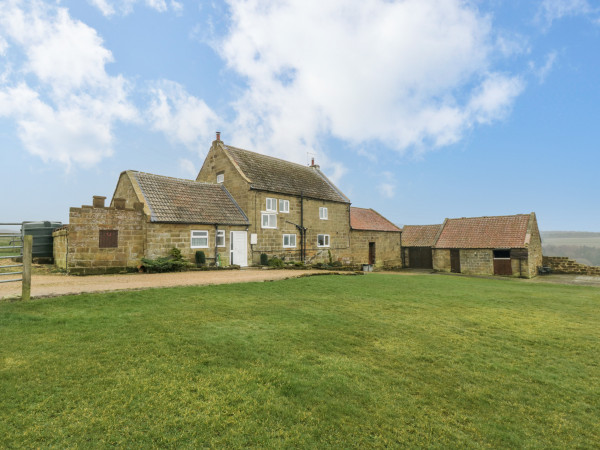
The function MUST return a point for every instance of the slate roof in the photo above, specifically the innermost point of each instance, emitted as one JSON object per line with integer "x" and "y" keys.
{"x": 276, "y": 175}
{"x": 176, "y": 200}
{"x": 420, "y": 235}
{"x": 368, "y": 219}
{"x": 485, "y": 232}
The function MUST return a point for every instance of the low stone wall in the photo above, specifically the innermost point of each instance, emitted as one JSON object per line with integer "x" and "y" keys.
{"x": 565, "y": 265}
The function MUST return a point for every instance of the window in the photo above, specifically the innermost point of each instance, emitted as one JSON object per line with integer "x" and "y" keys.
{"x": 108, "y": 239}
{"x": 502, "y": 254}
{"x": 323, "y": 213}
{"x": 220, "y": 177}
{"x": 284, "y": 206}
{"x": 322, "y": 240}
{"x": 199, "y": 239}
{"x": 289, "y": 240}
{"x": 269, "y": 220}
{"x": 220, "y": 238}
{"x": 271, "y": 204}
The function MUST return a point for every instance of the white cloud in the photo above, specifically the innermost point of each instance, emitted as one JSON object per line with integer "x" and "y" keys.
{"x": 542, "y": 72}
{"x": 181, "y": 116}
{"x": 387, "y": 187}
{"x": 413, "y": 75}
{"x": 64, "y": 103}
{"x": 551, "y": 10}
{"x": 187, "y": 168}
{"x": 124, "y": 7}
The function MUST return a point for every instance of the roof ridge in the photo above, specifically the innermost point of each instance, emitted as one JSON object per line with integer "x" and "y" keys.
{"x": 173, "y": 178}
{"x": 266, "y": 156}
{"x": 490, "y": 217}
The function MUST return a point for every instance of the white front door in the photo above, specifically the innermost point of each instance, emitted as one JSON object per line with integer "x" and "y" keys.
{"x": 239, "y": 248}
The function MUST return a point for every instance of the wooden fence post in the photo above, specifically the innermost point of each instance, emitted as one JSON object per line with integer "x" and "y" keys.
{"x": 26, "y": 283}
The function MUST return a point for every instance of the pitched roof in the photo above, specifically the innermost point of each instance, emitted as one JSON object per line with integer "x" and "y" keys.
{"x": 276, "y": 175}
{"x": 420, "y": 235}
{"x": 368, "y": 219}
{"x": 485, "y": 232}
{"x": 176, "y": 200}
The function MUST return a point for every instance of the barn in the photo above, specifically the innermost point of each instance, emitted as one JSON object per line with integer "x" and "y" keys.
{"x": 496, "y": 245}
{"x": 417, "y": 245}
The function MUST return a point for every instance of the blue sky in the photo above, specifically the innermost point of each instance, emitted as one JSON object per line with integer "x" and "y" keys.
{"x": 419, "y": 109}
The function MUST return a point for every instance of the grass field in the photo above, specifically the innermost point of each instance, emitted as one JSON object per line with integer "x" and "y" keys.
{"x": 345, "y": 361}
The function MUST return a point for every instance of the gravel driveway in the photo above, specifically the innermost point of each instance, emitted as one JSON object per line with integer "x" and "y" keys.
{"x": 53, "y": 285}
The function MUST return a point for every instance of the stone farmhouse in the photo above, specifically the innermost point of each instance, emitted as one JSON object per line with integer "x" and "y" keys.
{"x": 497, "y": 245}
{"x": 242, "y": 204}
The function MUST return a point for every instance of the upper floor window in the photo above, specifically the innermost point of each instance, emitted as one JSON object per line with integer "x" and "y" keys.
{"x": 220, "y": 177}
{"x": 289, "y": 240}
{"x": 322, "y": 240}
{"x": 271, "y": 204}
{"x": 284, "y": 206}
{"x": 269, "y": 220}
{"x": 323, "y": 213}
{"x": 199, "y": 239}
{"x": 220, "y": 238}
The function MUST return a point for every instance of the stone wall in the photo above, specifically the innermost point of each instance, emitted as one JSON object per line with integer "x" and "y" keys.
{"x": 387, "y": 247}
{"x": 565, "y": 265}
{"x": 83, "y": 254}
{"x": 60, "y": 247}
{"x": 477, "y": 261}
{"x": 441, "y": 259}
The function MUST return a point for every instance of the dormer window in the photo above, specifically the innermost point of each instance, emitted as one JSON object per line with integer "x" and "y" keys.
{"x": 220, "y": 177}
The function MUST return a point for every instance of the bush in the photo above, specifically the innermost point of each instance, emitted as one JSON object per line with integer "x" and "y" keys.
{"x": 172, "y": 263}
{"x": 264, "y": 259}
{"x": 337, "y": 264}
{"x": 200, "y": 258}
{"x": 276, "y": 262}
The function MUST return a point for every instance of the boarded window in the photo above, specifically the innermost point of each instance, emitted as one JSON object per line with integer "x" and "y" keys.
{"x": 108, "y": 239}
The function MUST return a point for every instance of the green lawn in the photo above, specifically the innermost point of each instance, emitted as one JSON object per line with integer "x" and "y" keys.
{"x": 345, "y": 361}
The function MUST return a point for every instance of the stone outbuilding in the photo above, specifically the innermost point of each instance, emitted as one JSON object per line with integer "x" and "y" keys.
{"x": 374, "y": 240}
{"x": 497, "y": 245}
{"x": 417, "y": 245}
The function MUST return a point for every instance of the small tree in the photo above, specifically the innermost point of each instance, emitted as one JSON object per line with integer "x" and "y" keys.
{"x": 200, "y": 258}
{"x": 264, "y": 259}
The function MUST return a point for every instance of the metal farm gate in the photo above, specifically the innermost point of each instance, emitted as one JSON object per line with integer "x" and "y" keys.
{"x": 18, "y": 248}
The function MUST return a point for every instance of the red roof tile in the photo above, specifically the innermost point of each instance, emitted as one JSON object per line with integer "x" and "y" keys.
{"x": 485, "y": 232}
{"x": 368, "y": 219}
{"x": 420, "y": 235}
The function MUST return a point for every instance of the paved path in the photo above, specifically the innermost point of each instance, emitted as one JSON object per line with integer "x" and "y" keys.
{"x": 53, "y": 285}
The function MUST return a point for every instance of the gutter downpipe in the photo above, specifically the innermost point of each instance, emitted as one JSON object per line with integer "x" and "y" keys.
{"x": 302, "y": 230}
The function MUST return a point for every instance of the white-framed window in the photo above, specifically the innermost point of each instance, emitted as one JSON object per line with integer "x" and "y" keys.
{"x": 322, "y": 240}
{"x": 220, "y": 177}
{"x": 284, "y": 206}
{"x": 322, "y": 213}
{"x": 269, "y": 220}
{"x": 220, "y": 238}
{"x": 289, "y": 240}
{"x": 271, "y": 204}
{"x": 199, "y": 239}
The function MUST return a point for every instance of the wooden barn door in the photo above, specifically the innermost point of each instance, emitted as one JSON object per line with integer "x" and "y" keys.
{"x": 420, "y": 258}
{"x": 455, "y": 260}
{"x": 502, "y": 265}
{"x": 372, "y": 253}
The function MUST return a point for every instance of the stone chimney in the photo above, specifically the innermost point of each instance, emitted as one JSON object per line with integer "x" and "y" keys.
{"x": 218, "y": 135}
{"x": 98, "y": 201}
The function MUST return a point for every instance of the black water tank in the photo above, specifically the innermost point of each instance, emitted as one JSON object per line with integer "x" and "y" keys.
{"x": 43, "y": 243}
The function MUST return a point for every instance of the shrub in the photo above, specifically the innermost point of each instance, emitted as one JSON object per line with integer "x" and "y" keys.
{"x": 172, "y": 263}
{"x": 276, "y": 262}
{"x": 264, "y": 259}
{"x": 337, "y": 264}
{"x": 330, "y": 257}
{"x": 200, "y": 258}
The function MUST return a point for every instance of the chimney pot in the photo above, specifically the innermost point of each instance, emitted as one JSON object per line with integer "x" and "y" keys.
{"x": 98, "y": 201}
{"x": 218, "y": 135}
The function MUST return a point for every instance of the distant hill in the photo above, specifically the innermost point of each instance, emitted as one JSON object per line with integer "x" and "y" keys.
{"x": 582, "y": 246}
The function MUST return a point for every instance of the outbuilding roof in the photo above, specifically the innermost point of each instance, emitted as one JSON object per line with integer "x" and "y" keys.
{"x": 370, "y": 220}
{"x": 271, "y": 174}
{"x": 176, "y": 200}
{"x": 485, "y": 232}
{"x": 420, "y": 235}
